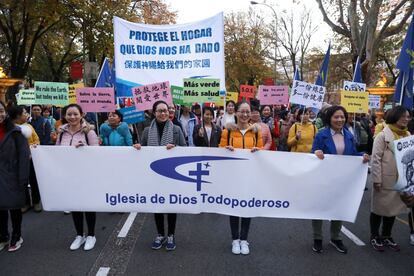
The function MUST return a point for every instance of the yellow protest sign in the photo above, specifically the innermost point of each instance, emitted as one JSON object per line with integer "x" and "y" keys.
{"x": 230, "y": 96}
{"x": 354, "y": 101}
{"x": 72, "y": 92}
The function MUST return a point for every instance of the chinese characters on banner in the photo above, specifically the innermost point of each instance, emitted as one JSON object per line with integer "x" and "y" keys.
{"x": 145, "y": 96}
{"x": 273, "y": 94}
{"x": 307, "y": 94}
{"x": 247, "y": 91}
{"x": 96, "y": 99}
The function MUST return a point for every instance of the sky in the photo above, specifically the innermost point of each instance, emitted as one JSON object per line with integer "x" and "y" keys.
{"x": 194, "y": 10}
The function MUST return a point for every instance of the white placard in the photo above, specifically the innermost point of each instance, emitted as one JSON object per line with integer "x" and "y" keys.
{"x": 374, "y": 101}
{"x": 354, "y": 86}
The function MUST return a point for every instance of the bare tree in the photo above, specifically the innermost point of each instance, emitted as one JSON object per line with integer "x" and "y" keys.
{"x": 366, "y": 23}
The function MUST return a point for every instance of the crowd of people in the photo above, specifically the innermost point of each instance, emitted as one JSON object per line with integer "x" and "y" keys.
{"x": 242, "y": 125}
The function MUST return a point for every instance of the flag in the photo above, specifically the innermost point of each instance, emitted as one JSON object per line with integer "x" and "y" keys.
{"x": 357, "y": 73}
{"x": 106, "y": 76}
{"x": 323, "y": 72}
{"x": 404, "y": 90}
{"x": 296, "y": 76}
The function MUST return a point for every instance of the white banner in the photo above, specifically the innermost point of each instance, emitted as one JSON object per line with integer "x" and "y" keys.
{"x": 404, "y": 156}
{"x": 147, "y": 54}
{"x": 307, "y": 94}
{"x": 195, "y": 180}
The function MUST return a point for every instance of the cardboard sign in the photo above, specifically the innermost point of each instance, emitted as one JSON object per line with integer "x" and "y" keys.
{"x": 131, "y": 115}
{"x": 230, "y": 96}
{"x": 354, "y": 101}
{"x": 307, "y": 94}
{"x": 201, "y": 90}
{"x": 374, "y": 101}
{"x": 354, "y": 86}
{"x": 72, "y": 92}
{"x": 247, "y": 91}
{"x": 269, "y": 95}
{"x": 26, "y": 97}
{"x": 177, "y": 94}
{"x": 54, "y": 93}
{"x": 96, "y": 99}
{"x": 145, "y": 96}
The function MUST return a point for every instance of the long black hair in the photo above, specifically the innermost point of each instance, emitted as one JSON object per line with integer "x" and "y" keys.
{"x": 8, "y": 123}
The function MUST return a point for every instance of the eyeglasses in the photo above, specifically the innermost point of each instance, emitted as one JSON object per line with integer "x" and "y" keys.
{"x": 244, "y": 112}
{"x": 160, "y": 111}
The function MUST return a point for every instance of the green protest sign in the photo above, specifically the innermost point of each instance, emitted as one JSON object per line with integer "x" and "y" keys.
{"x": 26, "y": 97}
{"x": 201, "y": 90}
{"x": 54, "y": 93}
{"x": 177, "y": 94}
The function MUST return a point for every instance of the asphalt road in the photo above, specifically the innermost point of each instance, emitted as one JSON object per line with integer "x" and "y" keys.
{"x": 278, "y": 247}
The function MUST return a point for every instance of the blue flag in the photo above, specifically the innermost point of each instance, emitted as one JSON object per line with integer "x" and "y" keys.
{"x": 323, "y": 72}
{"x": 297, "y": 75}
{"x": 106, "y": 76}
{"x": 357, "y": 73}
{"x": 404, "y": 90}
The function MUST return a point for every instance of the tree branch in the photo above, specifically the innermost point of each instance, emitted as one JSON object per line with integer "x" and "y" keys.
{"x": 333, "y": 26}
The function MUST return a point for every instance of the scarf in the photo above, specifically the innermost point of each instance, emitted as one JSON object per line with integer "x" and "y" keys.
{"x": 167, "y": 136}
{"x": 398, "y": 132}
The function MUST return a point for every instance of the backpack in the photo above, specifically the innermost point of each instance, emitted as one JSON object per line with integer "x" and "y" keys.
{"x": 86, "y": 137}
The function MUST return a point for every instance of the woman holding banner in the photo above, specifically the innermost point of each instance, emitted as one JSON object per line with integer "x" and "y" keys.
{"x": 244, "y": 136}
{"x": 386, "y": 203}
{"x": 302, "y": 133}
{"x": 14, "y": 176}
{"x": 334, "y": 139}
{"x": 162, "y": 132}
{"x": 115, "y": 132}
{"x": 207, "y": 134}
{"x": 77, "y": 132}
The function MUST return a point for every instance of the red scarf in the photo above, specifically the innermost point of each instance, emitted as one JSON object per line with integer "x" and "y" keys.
{"x": 2, "y": 131}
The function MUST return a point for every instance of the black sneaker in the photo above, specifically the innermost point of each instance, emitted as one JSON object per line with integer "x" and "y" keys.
{"x": 391, "y": 244}
{"x": 339, "y": 246}
{"x": 377, "y": 244}
{"x": 317, "y": 246}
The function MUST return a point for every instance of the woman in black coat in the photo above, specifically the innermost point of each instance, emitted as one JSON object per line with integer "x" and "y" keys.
{"x": 14, "y": 174}
{"x": 207, "y": 134}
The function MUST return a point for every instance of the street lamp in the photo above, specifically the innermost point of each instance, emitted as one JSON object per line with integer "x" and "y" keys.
{"x": 275, "y": 14}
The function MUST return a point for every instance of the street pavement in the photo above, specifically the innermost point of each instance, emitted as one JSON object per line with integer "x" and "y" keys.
{"x": 278, "y": 247}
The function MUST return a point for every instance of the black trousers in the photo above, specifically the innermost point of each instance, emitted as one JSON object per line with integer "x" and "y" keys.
{"x": 90, "y": 222}
{"x": 410, "y": 220}
{"x": 387, "y": 224}
{"x": 159, "y": 223}
{"x": 244, "y": 229}
{"x": 33, "y": 185}
{"x": 16, "y": 219}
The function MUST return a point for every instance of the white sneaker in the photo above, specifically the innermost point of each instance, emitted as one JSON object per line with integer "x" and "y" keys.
{"x": 412, "y": 239}
{"x": 244, "y": 247}
{"x": 235, "y": 247}
{"x": 79, "y": 240}
{"x": 90, "y": 243}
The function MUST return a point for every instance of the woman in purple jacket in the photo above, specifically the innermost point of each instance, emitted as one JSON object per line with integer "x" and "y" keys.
{"x": 77, "y": 132}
